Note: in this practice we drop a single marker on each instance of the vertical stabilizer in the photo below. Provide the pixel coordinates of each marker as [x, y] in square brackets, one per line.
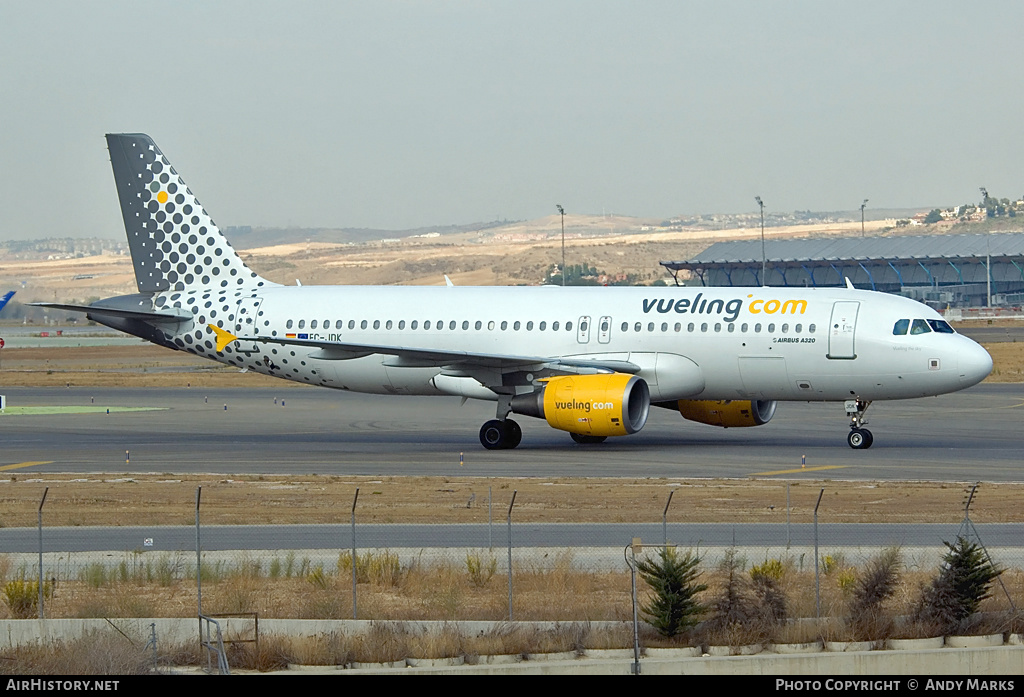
[174, 243]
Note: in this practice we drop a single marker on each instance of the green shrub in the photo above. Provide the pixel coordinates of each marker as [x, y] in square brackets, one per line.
[964, 580]
[673, 578]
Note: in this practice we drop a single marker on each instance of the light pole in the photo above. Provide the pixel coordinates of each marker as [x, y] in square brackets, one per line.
[764, 259]
[561, 212]
[862, 217]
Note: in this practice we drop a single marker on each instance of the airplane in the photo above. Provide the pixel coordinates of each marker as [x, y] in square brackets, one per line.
[590, 361]
[7, 296]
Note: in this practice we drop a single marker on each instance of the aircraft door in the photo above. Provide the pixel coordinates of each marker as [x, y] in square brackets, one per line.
[247, 314]
[604, 330]
[841, 330]
[583, 330]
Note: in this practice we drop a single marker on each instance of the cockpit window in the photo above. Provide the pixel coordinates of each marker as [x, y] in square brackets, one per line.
[940, 326]
[919, 326]
[901, 327]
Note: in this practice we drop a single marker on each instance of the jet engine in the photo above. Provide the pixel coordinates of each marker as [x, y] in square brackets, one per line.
[728, 413]
[609, 404]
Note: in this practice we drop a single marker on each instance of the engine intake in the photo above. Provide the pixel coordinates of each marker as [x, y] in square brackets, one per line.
[729, 413]
[611, 404]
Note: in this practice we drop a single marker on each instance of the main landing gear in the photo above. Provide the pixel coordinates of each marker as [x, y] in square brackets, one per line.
[500, 434]
[858, 438]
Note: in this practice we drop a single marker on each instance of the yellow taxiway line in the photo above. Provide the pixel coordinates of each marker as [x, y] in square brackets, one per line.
[797, 470]
[24, 464]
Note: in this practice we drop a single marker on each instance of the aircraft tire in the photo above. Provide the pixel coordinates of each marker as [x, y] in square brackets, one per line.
[860, 439]
[493, 435]
[586, 440]
[514, 434]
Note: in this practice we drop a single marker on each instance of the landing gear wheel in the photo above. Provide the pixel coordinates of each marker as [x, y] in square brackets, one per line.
[860, 438]
[514, 434]
[586, 440]
[500, 435]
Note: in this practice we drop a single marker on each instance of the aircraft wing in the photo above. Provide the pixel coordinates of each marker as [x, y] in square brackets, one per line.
[413, 357]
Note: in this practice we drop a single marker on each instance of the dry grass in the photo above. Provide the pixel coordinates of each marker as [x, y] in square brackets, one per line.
[169, 499]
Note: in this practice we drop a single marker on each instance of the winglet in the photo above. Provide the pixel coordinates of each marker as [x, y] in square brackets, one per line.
[223, 337]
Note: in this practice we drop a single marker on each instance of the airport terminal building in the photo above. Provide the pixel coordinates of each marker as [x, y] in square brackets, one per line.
[941, 270]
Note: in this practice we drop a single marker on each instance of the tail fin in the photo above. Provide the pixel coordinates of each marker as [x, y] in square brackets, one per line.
[174, 243]
[7, 296]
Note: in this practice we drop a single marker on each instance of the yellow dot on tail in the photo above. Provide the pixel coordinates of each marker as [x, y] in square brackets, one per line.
[162, 197]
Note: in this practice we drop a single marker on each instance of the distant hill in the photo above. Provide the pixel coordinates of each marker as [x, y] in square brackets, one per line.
[248, 237]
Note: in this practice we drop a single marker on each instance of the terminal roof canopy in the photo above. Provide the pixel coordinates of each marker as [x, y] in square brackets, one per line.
[903, 248]
[969, 269]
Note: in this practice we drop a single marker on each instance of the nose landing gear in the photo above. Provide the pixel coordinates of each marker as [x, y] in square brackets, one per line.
[858, 438]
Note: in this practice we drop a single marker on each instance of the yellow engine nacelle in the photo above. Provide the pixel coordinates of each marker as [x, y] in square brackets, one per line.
[612, 404]
[729, 413]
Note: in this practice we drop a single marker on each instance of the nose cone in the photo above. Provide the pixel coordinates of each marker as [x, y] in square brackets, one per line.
[974, 364]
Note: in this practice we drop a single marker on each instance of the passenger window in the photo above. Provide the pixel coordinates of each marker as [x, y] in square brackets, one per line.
[529, 326]
[810, 328]
[401, 324]
[901, 327]
[625, 326]
[757, 328]
[288, 324]
[426, 324]
[515, 326]
[731, 327]
[678, 327]
[479, 325]
[704, 327]
[362, 325]
[771, 328]
[543, 326]
[440, 325]
[554, 326]
[664, 326]
[490, 326]
[718, 326]
[650, 326]
[414, 324]
[376, 324]
[919, 327]
[689, 327]
[504, 326]
[302, 324]
[352, 324]
[465, 324]
[785, 328]
[799, 328]
[743, 327]
[312, 325]
[568, 326]
[388, 325]
[637, 327]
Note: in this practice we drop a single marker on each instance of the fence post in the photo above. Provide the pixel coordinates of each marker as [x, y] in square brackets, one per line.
[636, 544]
[664, 518]
[817, 577]
[355, 613]
[199, 561]
[510, 505]
[42, 614]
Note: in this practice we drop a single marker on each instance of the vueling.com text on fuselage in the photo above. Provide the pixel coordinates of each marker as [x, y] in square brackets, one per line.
[729, 309]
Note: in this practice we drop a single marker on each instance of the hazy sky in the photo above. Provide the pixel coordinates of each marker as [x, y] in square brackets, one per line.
[404, 114]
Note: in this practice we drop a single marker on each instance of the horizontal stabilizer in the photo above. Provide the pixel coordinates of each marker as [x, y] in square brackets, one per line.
[100, 311]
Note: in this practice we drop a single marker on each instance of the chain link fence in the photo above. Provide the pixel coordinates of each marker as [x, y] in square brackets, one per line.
[495, 554]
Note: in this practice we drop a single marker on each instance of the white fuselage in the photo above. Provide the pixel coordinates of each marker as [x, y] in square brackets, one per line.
[700, 343]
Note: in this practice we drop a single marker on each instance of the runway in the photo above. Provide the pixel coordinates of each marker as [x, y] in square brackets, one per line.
[966, 436]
